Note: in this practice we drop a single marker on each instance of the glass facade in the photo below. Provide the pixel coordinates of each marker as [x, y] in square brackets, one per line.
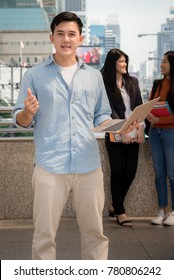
[19, 3]
[73, 5]
[14, 19]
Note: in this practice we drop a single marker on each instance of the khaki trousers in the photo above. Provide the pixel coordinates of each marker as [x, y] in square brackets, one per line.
[50, 195]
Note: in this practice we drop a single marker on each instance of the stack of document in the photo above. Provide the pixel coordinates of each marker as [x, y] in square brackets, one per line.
[161, 109]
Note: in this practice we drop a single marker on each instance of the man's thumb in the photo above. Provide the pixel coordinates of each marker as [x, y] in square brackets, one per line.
[29, 92]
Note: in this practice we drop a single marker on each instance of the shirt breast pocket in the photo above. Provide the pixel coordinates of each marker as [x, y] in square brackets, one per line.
[87, 103]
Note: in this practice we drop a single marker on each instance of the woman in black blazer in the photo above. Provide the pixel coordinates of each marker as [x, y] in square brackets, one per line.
[124, 95]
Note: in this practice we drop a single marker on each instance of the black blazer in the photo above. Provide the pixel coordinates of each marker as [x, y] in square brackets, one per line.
[117, 104]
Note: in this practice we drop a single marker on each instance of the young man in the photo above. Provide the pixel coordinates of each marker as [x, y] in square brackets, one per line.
[65, 98]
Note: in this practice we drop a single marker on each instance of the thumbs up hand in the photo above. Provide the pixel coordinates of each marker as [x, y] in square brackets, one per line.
[31, 104]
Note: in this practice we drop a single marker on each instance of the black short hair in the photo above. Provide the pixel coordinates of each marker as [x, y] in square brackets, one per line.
[66, 16]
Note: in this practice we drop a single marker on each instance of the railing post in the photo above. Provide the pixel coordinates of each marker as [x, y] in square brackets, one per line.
[20, 74]
[12, 89]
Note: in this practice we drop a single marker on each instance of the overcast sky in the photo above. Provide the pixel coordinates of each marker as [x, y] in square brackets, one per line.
[134, 17]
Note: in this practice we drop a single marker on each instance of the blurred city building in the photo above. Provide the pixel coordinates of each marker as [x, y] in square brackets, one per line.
[19, 4]
[25, 25]
[150, 69]
[25, 28]
[50, 6]
[112, 33]
[24, 32]
[106, 35]
[97, 37]
[165, 38]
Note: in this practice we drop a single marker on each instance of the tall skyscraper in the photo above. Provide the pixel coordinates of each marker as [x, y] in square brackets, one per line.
[112, 33]
[165, 38]
[112, 24]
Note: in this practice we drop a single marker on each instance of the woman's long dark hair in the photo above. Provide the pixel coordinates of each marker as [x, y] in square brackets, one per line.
[170, 57]
[109, 72]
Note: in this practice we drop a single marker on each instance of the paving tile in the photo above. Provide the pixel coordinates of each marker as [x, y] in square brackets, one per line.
[142, 241]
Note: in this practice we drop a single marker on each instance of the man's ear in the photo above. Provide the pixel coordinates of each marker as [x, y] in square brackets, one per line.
[81, 40]
[51, 38]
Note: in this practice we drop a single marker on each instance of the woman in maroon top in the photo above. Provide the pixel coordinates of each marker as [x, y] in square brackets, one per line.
[161, 139]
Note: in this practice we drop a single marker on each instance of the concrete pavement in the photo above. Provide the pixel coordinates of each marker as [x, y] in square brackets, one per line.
[142, 241]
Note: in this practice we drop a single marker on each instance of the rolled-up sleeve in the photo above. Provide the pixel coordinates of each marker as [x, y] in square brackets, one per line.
[19, 106]
[102, 110]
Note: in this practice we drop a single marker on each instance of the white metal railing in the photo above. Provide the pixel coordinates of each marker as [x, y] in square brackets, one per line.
[8, 128]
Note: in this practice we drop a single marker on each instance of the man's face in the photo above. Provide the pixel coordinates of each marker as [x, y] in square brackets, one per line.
[66, 38]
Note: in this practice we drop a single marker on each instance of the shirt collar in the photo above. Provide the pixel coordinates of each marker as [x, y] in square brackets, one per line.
[123, 84]
[51, 60]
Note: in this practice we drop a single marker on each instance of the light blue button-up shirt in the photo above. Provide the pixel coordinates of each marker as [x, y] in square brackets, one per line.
[64, 142]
